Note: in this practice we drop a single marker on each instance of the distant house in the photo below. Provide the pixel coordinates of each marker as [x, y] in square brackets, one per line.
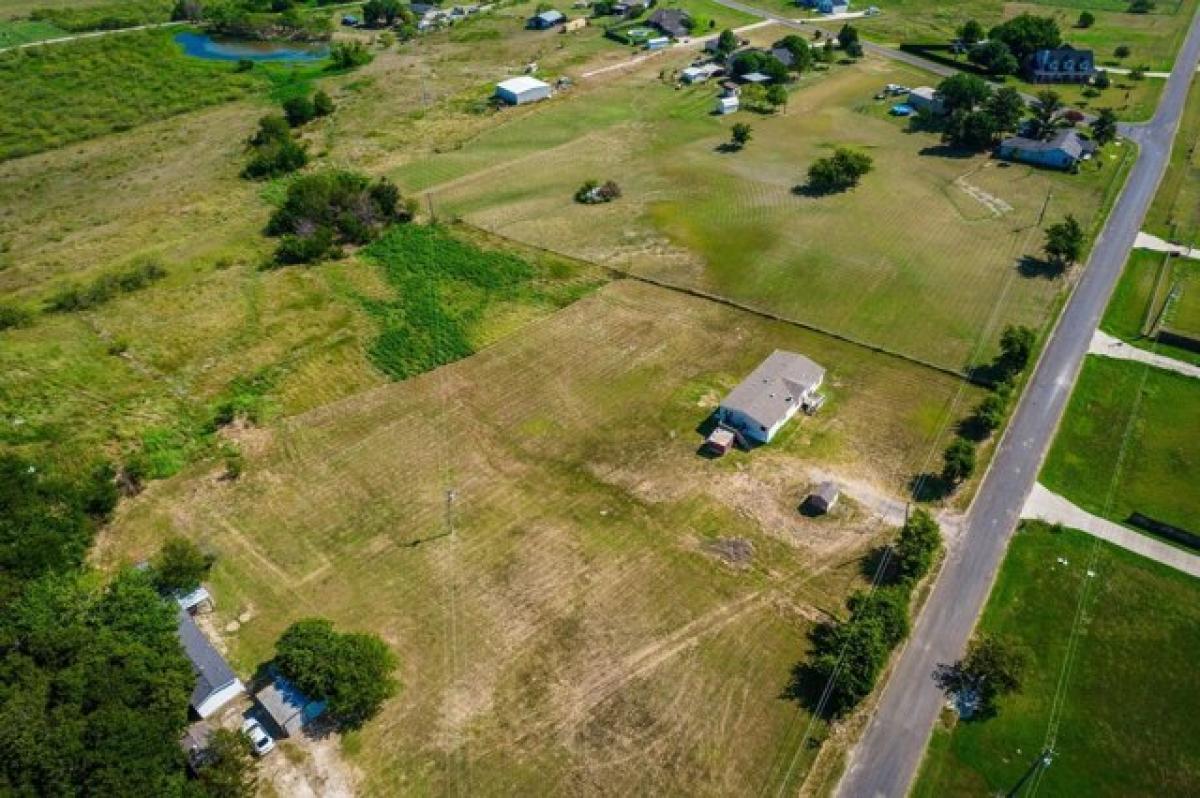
[1060, 65]
[579, 23]
[545, 20]
[826, 6]
[1066, 149]
[701, 73]
[522, 90]
[626, 8]
[658, 43]
[673, 22]
[824, 498]
[728, 104]
[768, 398]
[216, 683]
[288, 708]
[925, 98]
[784, 56]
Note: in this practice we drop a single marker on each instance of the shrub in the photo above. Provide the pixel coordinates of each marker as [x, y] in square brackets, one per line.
[594, 192]
[1141, 6]
[243, 65]
[1086, 19]
[839, 172]
[322, 104]
[13, 315]
[299, 110]
[347, 55]
[106, 287]
[916, 547]
[1122, 51]
[1102, 80]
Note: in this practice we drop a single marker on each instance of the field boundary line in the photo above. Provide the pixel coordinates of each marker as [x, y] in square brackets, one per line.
[95, 34]
[698, 293]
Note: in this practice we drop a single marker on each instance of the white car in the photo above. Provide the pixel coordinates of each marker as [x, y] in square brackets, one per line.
[262, 742]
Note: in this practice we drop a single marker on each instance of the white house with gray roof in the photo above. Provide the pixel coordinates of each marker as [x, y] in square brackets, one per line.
[767, 399]
[216, 683]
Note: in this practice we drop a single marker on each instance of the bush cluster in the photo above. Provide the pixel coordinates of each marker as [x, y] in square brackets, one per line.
[302, 109]
[593, 192]
[325, 210]
[106, 287]
[849, 655]
[347, 55]
[274, 151]
[1010, 43]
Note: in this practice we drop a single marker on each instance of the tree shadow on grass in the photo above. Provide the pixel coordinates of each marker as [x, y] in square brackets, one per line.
[947, 151]
[1035, 268]
[929, 487]
[876, 559]
[728, 147]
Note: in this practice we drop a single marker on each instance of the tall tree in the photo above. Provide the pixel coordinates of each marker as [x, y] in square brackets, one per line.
[1045, 112]
[959, 461]
[1104, 128]
[971, 32]
[228, 769]
[963, 91]
[1007, 107]
[1064, 242]
[1026, 33]
[916, 546]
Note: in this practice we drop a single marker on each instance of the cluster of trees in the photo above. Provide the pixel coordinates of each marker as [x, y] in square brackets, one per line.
[274, 150]
[848, 656]
[105, 287]
[95, 686]
[352, 672]
[849, 41]
[1008, 44]
[1016, 351]
[255, 19]
[764, 99]
[977, 115]
[593, 192]
[838, 172]
[801, 52]
[757, 61]
[387, 13]
[325, 210]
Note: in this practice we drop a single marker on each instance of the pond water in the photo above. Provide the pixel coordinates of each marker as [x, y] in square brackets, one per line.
[201, 45]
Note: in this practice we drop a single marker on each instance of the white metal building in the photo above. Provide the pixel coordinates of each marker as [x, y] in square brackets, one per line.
[518, 91]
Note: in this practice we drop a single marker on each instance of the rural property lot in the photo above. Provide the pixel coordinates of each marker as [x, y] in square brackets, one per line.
[581, 614]
[923, 258]
[1130, 442]
[1129, 703]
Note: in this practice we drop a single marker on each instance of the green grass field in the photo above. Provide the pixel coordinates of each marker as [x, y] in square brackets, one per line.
[1175, 211]
[559, 636]
[16, 32]
[1129, 703]
[1130, 441]
[1141, 298]
[64, 93]
[885, 263]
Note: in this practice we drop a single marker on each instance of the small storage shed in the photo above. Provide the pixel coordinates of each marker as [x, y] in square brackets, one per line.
[824, 498]
[288, 708]
[546, 20]
[658, 43]
[522, 90]
[727, 105]
[720, 440]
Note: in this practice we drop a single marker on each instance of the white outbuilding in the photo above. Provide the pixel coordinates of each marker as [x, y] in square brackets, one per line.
[525, 89]
[727, 105]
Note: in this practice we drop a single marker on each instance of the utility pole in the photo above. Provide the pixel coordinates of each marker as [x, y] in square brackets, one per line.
[1041, 763]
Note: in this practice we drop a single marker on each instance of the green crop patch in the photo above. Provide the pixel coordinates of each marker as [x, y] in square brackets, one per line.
[444, 289]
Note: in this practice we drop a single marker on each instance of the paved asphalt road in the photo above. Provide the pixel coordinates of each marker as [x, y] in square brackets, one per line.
[886, 759]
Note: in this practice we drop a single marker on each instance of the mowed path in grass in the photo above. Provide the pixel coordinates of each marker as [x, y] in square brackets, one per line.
[1129, 701]
[572, 634]
[922, 258]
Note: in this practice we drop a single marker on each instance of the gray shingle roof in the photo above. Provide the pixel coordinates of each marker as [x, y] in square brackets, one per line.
[775, 387]
[212, 672]
[1066, 140]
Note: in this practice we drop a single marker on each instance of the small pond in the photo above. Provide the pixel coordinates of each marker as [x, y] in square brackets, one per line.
[201, 45]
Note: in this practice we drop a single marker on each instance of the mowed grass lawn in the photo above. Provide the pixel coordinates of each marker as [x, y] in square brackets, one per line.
[1130, 441]
[531, 530]
[1129, 702]
[1151, 279]
[921, 258]
[1175, 212]
[60, 94]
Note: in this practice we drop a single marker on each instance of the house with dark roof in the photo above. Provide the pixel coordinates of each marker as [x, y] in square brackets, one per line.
[784, 56]
[1063, 151]
[768, 398]
[673, 22]
[216, 683]
[1060, 65]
